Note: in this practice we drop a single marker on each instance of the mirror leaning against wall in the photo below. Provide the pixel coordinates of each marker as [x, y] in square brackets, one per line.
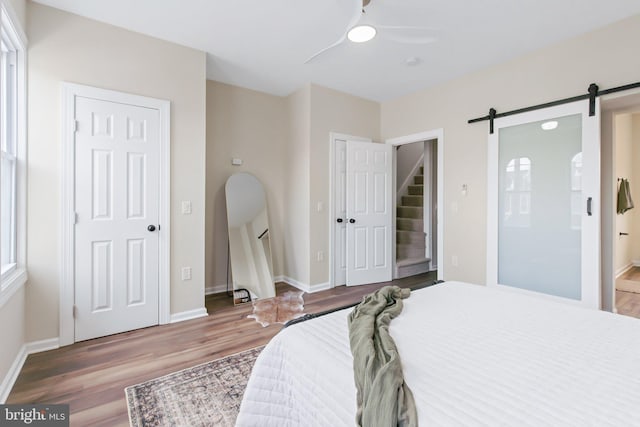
[249, 246]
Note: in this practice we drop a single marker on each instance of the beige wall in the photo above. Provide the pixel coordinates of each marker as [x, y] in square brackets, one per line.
[251, 126]
[623, 128]
[331, 111]
[66, 47]
[296, 186]
[607, 56]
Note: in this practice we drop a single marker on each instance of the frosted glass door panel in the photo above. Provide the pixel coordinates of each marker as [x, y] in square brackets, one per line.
[540, 208]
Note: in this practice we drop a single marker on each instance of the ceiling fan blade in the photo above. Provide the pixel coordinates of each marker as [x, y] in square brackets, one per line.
[356, 14]
[315, 55]
[408, 34]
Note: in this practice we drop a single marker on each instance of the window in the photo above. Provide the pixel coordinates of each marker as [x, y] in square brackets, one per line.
[12, 151]
[517, 192]
[576, 192]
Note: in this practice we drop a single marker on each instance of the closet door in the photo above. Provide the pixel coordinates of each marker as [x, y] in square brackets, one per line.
[543, 230]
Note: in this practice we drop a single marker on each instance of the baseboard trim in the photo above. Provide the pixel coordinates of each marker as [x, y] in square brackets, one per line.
[188, 315]
[626, 268]
[304, 286]
[12, 375]
[26, 349]
[216, 289]
[43, 345]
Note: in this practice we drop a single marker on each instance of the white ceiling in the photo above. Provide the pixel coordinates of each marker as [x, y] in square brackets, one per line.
[263, 44]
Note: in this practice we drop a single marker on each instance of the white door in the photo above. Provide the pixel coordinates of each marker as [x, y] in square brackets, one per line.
[369, 222]
[543, 204]
[117, 207]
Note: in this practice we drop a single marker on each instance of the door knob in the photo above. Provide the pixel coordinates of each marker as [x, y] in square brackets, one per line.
[352, 220]
[339, 220]
[151, 227]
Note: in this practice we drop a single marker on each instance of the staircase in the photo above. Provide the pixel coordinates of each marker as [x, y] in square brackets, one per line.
[410, 237]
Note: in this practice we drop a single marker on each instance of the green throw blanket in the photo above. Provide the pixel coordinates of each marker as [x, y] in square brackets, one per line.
[383, 397]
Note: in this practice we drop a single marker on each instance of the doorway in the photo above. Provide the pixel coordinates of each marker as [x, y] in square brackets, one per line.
[115, 257]
[620, 223]
[427, 167]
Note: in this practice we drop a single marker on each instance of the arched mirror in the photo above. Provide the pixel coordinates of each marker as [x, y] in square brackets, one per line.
[249, 247]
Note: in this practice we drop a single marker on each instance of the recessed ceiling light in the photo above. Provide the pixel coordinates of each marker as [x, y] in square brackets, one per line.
[361, 33]
[412, 60]
[549, 125]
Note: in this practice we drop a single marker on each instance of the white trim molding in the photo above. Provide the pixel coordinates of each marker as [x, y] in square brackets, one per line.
[189, 315]
[215, 289]
[29, 348]
[69, 92]
[305, 286]
[626, 268]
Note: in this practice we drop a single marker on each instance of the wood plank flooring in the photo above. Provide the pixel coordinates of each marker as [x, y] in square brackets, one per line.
[628, 303]
[91, 376]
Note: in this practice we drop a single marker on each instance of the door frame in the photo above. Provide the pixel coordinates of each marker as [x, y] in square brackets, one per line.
[333, 137]
[611, 105]
[429, 135]
[69, 92]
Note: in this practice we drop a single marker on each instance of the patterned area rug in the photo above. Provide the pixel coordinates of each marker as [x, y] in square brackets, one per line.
[205, 395]
[279, 309]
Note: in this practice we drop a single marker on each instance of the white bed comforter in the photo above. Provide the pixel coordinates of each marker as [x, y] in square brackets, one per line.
[472, 356]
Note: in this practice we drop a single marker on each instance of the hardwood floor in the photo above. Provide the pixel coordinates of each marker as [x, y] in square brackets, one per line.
[91, 376]
[628, 303]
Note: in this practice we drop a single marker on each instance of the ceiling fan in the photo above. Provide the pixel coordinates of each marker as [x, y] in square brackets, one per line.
[361, 30]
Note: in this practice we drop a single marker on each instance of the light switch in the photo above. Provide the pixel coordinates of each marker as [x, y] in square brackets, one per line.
[186, 207]
[186, 273]
[236, 161]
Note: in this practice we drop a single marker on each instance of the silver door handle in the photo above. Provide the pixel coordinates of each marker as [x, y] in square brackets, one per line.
[589, 201]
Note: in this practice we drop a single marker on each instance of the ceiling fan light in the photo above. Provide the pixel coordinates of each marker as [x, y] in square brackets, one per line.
[361, 33]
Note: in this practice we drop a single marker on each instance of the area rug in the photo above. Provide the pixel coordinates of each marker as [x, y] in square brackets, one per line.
[280, 309]
[204, 395]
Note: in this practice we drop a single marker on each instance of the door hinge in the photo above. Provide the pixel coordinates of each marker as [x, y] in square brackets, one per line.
[75, 217]
[76, 125]
[75, 311]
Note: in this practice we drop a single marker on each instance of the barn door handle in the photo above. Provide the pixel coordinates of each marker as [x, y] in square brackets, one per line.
[589, 201]
[352, 220]
[151, 227]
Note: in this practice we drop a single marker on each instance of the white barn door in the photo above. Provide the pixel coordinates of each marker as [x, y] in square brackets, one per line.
[543, 234]
[369, 214]
[117, 155]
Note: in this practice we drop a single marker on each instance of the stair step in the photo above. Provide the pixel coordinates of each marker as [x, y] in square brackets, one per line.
[409, 251]
[410, 237]
[412, 266]
[409, 224]
[421, 170]
[418, 179]
[416, 190]
[409, 212]
[412, 200]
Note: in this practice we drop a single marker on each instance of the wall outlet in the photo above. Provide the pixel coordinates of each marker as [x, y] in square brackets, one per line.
[454, 260]
[186, 273]
[186, 207]
[320, 256]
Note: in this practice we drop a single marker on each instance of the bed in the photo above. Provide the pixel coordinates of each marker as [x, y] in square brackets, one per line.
[472, 355]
